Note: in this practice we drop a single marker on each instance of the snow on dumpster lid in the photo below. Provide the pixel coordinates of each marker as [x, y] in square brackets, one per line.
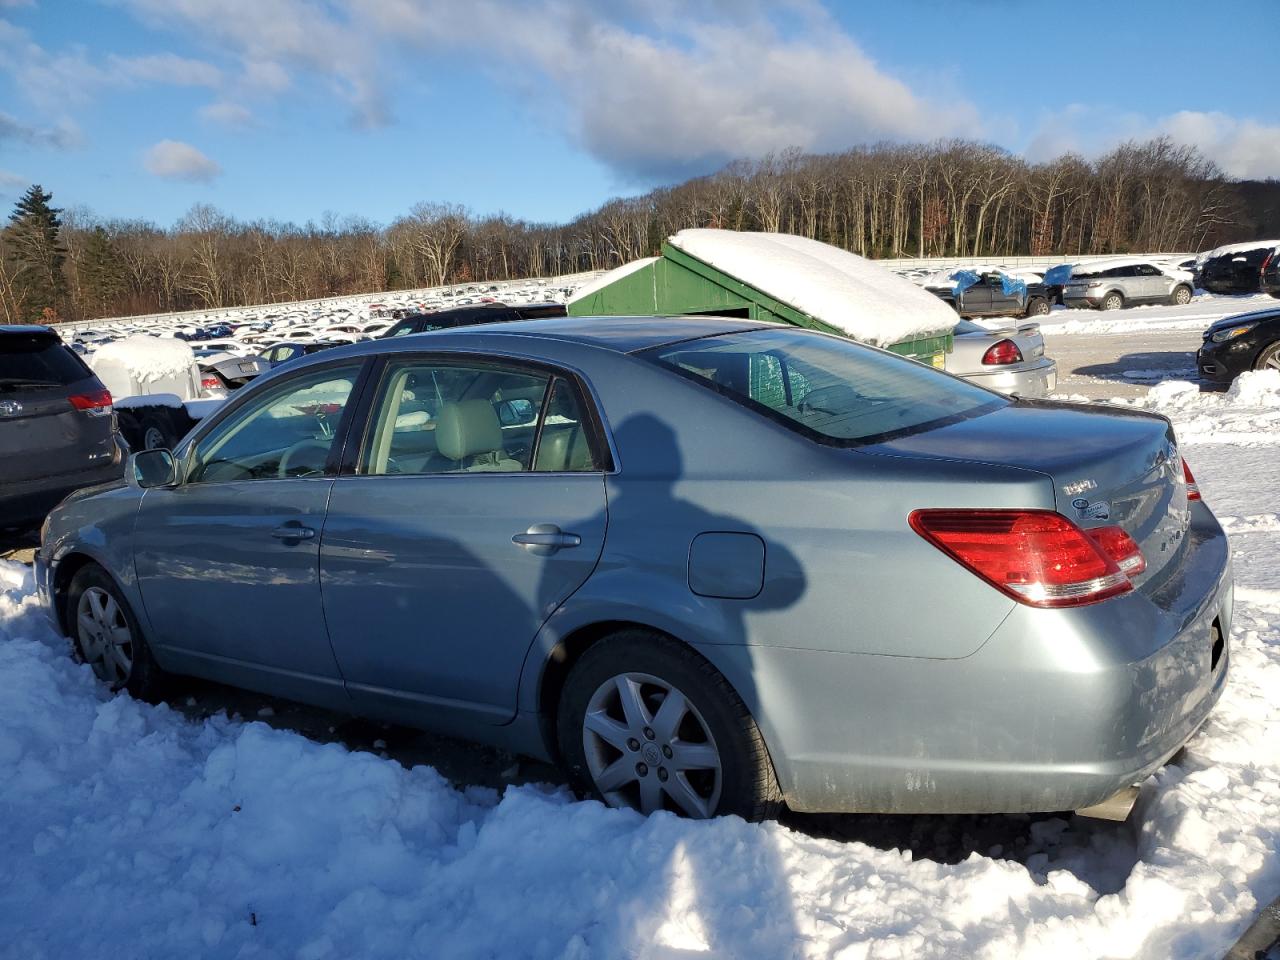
[839, 288]
[612, 276]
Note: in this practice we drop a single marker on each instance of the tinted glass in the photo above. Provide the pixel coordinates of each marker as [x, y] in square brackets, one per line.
[827, 387]
[287, 432]
[38, 360]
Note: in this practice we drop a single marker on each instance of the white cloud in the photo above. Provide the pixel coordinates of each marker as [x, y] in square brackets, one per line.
[1243, 148]
[175, 160]
[11, 181]
[227, 113]
[166, 68]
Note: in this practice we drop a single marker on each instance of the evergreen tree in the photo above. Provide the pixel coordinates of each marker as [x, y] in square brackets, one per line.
[36, 254]
[103, 273]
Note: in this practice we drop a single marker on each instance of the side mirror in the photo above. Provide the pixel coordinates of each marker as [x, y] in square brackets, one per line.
[151, 468]
[516, 413]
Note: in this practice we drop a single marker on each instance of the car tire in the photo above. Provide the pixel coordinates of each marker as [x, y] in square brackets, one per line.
[1112, 301]
[105, 634]
[1181, 295]
[1037, 307]
[707, 759]
[1269, 358]
[155, 432]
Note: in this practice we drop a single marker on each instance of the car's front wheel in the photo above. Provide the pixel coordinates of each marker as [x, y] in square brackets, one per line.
[1269, 359]
[645, 722]
[105, 635]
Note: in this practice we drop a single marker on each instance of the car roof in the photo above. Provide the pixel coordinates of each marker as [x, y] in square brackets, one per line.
[620, 334]
[26, 329]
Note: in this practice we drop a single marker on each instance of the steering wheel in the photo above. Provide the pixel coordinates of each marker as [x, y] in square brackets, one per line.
[292, 453]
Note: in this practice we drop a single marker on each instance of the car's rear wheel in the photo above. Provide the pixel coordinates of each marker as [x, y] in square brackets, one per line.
[1038, 307]
[106, 636]
[1181, 295]
[1112, 301]
[1269, 359]
[645, 722]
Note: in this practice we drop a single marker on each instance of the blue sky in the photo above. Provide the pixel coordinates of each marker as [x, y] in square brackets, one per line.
[289, 109]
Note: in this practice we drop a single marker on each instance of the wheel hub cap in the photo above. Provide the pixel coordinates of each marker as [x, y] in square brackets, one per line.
[106, 642]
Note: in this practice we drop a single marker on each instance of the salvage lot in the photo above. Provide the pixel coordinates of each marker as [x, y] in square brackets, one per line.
[178, 829]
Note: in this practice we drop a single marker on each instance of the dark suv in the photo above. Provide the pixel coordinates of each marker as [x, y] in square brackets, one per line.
[991, 295]
[1239, 271]
[57, 425]
[480, 313]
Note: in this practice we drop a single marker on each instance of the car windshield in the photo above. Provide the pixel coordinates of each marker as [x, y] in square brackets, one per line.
[826, 387]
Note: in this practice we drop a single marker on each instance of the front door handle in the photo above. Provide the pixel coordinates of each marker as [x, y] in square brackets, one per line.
[293, 531]
[544, 539]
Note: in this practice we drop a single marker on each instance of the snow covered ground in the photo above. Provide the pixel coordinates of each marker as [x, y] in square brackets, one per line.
[133, 831]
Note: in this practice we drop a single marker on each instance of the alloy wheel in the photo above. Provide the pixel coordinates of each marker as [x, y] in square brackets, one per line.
[153, 439]
[105, 639]
[649, 748]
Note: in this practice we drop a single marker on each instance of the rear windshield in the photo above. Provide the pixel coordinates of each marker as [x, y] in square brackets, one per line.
[37, 360]
[833, 390]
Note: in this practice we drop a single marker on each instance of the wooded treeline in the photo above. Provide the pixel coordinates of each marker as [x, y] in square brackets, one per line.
[947, 198]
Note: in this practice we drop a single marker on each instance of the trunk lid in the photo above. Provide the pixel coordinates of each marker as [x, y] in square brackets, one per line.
[1108, 466]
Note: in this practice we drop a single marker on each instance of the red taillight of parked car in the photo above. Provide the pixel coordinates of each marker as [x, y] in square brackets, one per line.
[210, 383]
[96, 404]
[1193, 488]
[1120, 547]
[1002, 352]
[1037, 557]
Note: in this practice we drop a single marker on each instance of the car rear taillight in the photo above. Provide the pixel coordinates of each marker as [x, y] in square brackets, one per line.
[1037, 557]
[96, 404]
[1193, 488]
[1002, 352]
[1120, 547]
[210, 382]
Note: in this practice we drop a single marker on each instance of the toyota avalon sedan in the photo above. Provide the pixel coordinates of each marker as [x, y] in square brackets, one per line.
[710, 566]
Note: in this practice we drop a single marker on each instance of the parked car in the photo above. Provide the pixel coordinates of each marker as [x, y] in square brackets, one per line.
[709, 565]
[57, 425]
[992, 294]
[222, 372]
[465, 316]
[1009, 360]
[287, 352]
[1237, 268]
[1113, 284]
[1247, 341]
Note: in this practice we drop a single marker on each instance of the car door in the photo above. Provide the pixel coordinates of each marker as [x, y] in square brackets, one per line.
[1155, 284]
[476, 506]
[975, 300]
[228, 559]
[1002, 304]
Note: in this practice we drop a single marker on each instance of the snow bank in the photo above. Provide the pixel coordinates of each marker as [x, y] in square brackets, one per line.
[855, 295]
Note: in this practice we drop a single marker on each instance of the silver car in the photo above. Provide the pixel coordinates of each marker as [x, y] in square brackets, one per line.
[1006, 359]
[1112, 284]
[710, 566]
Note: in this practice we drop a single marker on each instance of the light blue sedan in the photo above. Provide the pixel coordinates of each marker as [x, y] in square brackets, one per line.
[710, 566]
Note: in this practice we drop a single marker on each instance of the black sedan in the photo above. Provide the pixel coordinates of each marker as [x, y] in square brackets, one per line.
[1247, 341]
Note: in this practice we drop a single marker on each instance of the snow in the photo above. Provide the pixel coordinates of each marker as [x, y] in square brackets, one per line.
[865, 300]
[171, 400]
[605, 279]
[147, 358]
[133, 831]
[1199, 314]
[1227, 248]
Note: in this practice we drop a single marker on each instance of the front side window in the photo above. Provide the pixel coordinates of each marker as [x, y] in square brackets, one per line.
[288, 432]
[831, 389]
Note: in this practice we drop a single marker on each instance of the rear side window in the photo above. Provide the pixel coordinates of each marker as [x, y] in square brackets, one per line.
[833, 390]
[38, 360]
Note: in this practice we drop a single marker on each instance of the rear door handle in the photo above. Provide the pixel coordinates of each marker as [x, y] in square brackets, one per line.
[293, 531]
[543, 539]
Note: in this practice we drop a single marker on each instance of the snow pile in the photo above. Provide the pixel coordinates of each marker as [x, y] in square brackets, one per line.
[147, 359]
[865, 300]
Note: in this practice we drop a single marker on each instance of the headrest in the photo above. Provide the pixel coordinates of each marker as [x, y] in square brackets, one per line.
[466, 428]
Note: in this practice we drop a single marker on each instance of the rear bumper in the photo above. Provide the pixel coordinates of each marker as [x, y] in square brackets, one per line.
[1057, 711]
[28, 502]
[1036, 380]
